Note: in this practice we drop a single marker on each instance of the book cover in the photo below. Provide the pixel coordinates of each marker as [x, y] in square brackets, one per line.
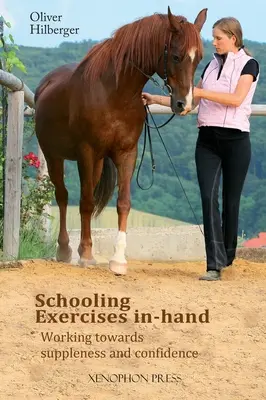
[129, 317]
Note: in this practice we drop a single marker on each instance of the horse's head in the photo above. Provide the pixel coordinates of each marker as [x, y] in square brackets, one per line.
[181, 58]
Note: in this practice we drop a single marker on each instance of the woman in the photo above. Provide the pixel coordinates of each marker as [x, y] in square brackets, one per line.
[224, 95]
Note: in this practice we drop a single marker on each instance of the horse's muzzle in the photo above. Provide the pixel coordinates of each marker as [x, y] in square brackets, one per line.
[178, 106]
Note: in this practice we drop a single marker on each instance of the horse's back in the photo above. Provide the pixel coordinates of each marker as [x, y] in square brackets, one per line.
[54, 78]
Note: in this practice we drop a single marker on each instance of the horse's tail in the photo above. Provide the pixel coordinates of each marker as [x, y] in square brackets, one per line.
[105, 187]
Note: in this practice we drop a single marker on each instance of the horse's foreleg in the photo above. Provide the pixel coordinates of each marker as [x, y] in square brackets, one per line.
[56, 173]
[85, 167]
[125, 164]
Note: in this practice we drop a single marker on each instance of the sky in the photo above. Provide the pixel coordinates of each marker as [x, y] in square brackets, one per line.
[97, 19]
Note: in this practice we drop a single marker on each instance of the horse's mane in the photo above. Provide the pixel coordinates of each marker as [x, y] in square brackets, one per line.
[132, 44]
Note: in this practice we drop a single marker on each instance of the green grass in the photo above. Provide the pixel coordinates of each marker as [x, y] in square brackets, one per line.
[34, 243]
[108, 219]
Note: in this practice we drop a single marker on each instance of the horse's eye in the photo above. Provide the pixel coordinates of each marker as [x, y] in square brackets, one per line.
[175, 58]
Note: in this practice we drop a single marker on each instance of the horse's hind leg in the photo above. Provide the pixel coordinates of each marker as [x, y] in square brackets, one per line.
[56, 172]
[87, 183]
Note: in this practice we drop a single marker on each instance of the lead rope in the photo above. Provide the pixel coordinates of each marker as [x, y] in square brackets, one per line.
[147, 132]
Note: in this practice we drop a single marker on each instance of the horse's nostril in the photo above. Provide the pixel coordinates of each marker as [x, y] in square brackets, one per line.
[180, 104]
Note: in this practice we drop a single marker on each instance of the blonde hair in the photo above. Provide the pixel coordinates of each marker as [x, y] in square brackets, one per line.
[231, 27]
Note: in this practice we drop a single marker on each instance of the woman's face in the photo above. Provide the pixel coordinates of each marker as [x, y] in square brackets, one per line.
[222, 43]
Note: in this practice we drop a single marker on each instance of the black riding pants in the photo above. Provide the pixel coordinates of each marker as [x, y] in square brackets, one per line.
[226, 152]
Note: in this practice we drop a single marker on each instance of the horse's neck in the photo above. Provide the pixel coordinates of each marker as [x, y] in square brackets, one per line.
[131, 83]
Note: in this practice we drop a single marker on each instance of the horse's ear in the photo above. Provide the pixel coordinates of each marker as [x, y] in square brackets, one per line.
[201, 18]
[171, 18]
[172, 21]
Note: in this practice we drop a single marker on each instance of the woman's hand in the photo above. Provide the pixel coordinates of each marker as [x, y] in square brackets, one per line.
[147, 99]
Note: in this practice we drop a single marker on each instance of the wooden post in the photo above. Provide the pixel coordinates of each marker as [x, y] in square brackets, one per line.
[44, 172]
[13, 174]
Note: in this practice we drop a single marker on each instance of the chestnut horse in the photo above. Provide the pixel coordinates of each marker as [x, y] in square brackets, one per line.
[93, 113]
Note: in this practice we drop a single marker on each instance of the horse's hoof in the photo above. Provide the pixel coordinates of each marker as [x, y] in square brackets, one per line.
[118, 268]
[84, 262]
[64, 255]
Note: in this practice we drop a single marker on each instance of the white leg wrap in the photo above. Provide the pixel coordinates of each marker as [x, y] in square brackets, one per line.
[120, 248]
